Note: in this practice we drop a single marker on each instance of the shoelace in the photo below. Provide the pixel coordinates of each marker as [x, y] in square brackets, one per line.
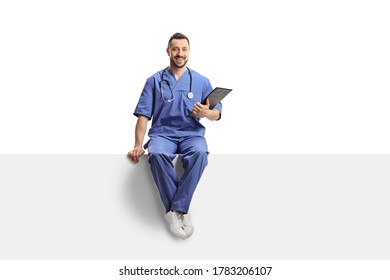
[179, 222]
[181, 215]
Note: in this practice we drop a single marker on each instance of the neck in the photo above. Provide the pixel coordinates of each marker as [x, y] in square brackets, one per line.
[177, 72]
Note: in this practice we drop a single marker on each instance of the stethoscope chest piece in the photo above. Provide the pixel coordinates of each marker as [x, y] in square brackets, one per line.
[190, 95]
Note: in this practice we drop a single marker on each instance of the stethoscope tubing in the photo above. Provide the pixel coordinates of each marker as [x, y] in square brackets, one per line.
[190, 95]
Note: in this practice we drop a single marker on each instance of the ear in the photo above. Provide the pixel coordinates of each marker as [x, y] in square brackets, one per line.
[168, 51]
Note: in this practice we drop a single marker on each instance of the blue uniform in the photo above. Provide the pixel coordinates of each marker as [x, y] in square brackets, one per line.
[173, 132]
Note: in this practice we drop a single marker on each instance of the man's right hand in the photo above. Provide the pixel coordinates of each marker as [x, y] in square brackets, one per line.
[135, 154]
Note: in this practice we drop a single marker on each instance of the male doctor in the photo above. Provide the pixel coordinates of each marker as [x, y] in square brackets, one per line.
[168, 97]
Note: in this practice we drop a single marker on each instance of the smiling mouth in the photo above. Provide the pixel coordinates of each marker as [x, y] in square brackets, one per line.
[179, 61]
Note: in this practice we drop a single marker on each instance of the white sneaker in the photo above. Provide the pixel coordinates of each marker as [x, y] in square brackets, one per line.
[187, 225]
[176, 224]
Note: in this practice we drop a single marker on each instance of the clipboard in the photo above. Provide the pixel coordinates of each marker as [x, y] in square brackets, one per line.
[214, 97]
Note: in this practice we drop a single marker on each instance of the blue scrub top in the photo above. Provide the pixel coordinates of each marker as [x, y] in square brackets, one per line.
[171, 118]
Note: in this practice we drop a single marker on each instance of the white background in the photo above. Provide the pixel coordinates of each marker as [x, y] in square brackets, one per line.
[308, 76]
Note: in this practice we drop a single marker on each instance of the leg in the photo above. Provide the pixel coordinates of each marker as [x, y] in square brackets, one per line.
[162, 151]
[193, 154]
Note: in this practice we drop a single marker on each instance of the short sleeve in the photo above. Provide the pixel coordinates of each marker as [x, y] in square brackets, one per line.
[145, 103]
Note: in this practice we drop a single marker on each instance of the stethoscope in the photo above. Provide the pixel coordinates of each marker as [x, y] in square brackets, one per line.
[190, 95]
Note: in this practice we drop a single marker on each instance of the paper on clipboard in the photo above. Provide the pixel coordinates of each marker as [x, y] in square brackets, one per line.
[214, 97]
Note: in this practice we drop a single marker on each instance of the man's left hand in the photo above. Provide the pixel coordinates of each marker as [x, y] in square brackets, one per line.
[201, 110]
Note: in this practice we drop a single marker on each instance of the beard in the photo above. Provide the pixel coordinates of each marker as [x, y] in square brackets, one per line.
[178, 66]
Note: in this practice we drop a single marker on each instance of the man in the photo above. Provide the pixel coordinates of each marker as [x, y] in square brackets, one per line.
[168, 98]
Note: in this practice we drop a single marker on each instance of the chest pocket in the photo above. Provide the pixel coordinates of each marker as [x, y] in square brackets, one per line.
[188, 103]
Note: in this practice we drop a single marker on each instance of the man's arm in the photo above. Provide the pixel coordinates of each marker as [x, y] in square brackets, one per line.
[202, 111]
[140, 131]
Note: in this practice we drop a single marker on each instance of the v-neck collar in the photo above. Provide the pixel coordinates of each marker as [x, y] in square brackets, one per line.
[172, 79]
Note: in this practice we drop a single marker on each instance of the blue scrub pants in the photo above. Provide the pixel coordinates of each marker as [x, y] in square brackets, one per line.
[177, 194]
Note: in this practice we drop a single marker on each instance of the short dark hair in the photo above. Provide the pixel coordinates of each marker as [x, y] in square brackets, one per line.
[178, 36]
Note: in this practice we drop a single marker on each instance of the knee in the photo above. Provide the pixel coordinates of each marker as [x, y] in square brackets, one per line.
[202, 153]
[157, 157]
[199, 155]
[198, 152]
[161, 156]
